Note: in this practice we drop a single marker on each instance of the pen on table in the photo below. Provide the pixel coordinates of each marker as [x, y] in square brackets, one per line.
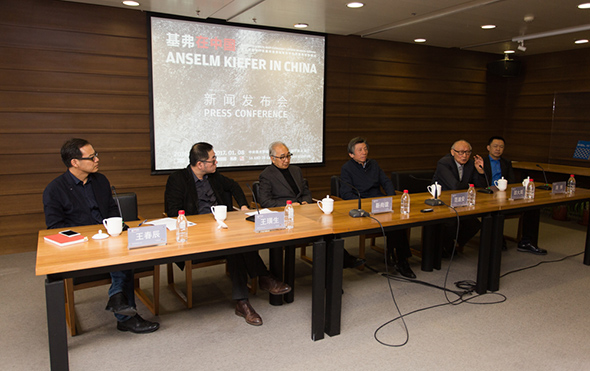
[142, 223]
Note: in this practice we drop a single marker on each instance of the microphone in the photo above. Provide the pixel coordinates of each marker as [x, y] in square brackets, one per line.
[486, 190]
[434, 201]
[546, 186]
[125, 226]
[355, 213]
[252, 218]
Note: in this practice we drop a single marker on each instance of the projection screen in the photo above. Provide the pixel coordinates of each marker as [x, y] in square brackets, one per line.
[236, 87]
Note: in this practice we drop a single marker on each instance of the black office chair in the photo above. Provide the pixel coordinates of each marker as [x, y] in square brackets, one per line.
[128, 202]
[415, 181]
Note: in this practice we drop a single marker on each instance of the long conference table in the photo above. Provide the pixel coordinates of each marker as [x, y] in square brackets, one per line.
[207, 241]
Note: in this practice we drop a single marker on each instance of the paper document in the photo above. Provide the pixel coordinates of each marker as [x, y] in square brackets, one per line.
[170, 223]
[263, 211]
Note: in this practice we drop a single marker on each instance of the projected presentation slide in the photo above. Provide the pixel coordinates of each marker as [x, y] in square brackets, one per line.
[239, 89]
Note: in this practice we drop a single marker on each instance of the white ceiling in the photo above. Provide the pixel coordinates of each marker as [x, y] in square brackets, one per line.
[443, 23]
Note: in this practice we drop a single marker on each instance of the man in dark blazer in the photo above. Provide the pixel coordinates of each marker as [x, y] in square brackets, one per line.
[82, 196]
[496, 167]
[282, 181]
[456, 171]
[198, 187]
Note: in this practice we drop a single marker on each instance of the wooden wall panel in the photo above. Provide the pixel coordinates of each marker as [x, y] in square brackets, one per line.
[76, 70]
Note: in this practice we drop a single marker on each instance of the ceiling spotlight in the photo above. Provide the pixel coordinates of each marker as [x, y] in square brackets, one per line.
[509, 51]
[584, 6]
[131, 3]
[488, 26]
[300, 25]
[355, 5]
[521, 46]
[581, 41]
[419, 40]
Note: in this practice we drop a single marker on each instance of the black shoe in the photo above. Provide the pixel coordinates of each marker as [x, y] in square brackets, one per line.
[119, 304]
[137, 325]
[529, 247]
[352, 262]
[404, 269]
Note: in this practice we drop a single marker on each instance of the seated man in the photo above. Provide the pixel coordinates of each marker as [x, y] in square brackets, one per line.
[366, 176]
[198, 187]
[82, 196]
[497, 167]
[453, 172]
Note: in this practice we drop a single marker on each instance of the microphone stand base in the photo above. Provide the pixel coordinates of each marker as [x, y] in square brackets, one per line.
[544, 187]
[486, 190]
[358, 213]
[433, 202]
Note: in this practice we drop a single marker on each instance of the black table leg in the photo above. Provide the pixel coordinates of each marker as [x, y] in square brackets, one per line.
[587, 250]
[318, 316]
[334, 287]
[496, 253]
[483, 259]
[56, 325]
[430, 238]
[275, 257]
[290, 273]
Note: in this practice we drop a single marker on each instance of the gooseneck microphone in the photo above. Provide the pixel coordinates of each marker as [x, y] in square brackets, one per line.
[487, 189]
[546, 186]
[125, 226]
[252, 218]
[434, 201]
[356, 213]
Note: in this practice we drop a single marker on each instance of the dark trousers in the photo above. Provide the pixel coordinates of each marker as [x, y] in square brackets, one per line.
[240, 266]
[468, 228]
[398, 241]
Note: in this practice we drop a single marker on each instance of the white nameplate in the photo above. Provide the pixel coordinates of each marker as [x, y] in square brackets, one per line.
[559, 187]
[146, 236]
[269, 221]
[459, 199]
[382, 205]
[517, 193]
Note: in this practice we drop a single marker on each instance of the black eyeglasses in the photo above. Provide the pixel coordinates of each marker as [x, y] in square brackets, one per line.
[211, 161]
[283, 157]
[462, 152]
[92, 157]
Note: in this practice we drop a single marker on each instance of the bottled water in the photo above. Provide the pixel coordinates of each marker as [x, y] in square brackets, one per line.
[471, 195]
[529, 192]
[405, 202]
[571, 185]
[289, 215]
[181, 227]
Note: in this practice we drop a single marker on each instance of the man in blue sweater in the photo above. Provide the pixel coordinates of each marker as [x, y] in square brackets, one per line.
[366, 176]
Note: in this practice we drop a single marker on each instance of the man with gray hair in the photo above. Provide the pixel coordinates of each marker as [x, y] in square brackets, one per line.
[282, 181]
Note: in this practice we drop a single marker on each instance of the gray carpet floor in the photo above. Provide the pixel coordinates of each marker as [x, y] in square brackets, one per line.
[539, 322]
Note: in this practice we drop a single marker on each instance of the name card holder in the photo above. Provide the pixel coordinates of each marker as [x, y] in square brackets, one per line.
[269, 221]
[146, 236]
[382, 205]
[459, 199]
[559, 187]
[517, 193]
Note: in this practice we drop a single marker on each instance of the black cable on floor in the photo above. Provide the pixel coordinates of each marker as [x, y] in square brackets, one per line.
[542, 262]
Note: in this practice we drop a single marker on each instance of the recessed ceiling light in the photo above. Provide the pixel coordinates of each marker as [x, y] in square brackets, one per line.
[508, 51]
[419, 40]
[581, 41]
[584, 6]
[488, 26]
[131, 3]
[355, 5]
[300, 25]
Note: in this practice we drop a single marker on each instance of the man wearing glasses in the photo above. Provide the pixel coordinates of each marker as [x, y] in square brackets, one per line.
[281, 182]
[82, 196]
[198, 187]
[453, 172]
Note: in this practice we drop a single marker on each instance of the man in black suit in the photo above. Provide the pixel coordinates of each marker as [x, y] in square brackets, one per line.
[82, 196]
[497, 167]
[453, 172]
[198, 187]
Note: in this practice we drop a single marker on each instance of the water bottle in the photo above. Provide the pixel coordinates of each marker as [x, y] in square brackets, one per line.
[571, 185]
[289, 215]
[405, 203]
[181, 227]
[529, 193]
[471, 195]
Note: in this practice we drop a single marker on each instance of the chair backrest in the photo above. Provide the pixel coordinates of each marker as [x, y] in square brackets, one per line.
[415, 181]
[256, 191]
[128, 202]
[335, 186]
